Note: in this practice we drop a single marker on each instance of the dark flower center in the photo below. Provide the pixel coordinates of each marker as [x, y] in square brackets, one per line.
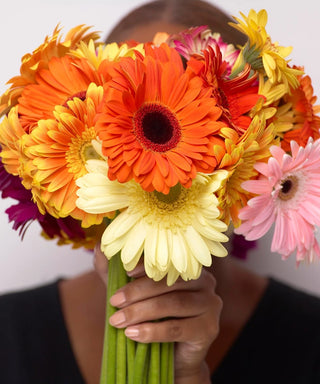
[289, 188]
[286, 186]
[156, 127]
[80, 95]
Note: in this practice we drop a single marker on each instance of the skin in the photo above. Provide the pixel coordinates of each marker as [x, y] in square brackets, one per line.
[206, 315]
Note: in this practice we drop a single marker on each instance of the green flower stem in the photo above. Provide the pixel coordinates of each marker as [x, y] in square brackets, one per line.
[108, 366]
[164, 362]
[154, 366]
[140, 363]
[146, 367]
[131, 352]
[121, 370]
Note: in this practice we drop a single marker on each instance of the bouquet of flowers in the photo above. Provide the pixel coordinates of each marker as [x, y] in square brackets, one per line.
[156, 149]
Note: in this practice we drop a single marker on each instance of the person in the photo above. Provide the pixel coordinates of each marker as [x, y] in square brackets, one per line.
[229, 325]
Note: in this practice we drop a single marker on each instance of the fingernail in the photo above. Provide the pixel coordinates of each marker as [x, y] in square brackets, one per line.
[118, 299]
[117, 318]
[132, 332]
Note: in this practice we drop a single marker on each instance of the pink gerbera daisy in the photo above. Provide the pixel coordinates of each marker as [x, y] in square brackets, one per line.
[288, 194]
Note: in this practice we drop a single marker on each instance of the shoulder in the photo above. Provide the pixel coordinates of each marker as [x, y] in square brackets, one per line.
[281, 340]
[34, 341]
[291, 308]
[23, 310]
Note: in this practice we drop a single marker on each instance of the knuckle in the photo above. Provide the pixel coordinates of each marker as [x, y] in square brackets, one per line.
[178, 300]
[218, 303]
[213, 329]
[146, 333]
[130, 314]
[174, 330]
[210, 281]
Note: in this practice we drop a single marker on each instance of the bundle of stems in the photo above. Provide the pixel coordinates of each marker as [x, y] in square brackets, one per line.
[125, 361]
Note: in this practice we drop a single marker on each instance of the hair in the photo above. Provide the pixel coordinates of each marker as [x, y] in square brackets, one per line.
[189, 13]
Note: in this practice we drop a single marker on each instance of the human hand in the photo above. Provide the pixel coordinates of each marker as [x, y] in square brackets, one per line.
[191, 309]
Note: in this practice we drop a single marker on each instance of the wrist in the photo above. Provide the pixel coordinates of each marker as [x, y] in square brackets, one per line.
[200, 377]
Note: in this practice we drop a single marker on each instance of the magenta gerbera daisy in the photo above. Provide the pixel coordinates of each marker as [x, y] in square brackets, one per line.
[288, 195]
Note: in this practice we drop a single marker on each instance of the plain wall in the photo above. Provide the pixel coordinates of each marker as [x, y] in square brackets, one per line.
[23, 27]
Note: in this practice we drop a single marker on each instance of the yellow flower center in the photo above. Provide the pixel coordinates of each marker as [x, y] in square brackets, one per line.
[174, 210]
[81, 150]
[170, 198]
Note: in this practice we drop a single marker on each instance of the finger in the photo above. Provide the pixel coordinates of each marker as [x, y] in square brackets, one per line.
[173, 304]
[100, 263]
[138, 271]
[196, 330]
[144, 288]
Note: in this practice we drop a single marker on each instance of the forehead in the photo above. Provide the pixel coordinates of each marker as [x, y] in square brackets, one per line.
[146, 32]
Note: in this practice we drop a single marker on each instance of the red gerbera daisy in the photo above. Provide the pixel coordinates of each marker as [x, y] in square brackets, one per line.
[235, 96]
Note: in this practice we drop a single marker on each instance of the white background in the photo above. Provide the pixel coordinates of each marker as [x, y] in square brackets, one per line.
[24, 24]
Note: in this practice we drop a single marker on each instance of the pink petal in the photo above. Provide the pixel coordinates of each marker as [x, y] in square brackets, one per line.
[277, 153]
[265, 213]
[275, 169]
[258, 231]
[257, 186]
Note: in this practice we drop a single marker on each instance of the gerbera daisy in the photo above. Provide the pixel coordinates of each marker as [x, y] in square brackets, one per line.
[64, 79]
[109, 52]
[53, 46]
[242, 152]
[296, 117]
[69, 231]
[177, 232]
[11, 132]
[59, 148]
[158, 124]
[195, 40]
[236, 97]
[267, 105]
[25, 212]
[288, 195]
[261, 53]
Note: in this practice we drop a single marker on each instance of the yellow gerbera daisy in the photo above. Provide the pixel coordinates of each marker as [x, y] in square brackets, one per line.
[261, 53]
[10, 133]
[59, 149]
[111, 52]
[177, 232]
[241, 155]
[31, 63]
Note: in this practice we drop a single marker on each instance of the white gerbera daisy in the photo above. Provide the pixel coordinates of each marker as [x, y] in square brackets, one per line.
[177, 232]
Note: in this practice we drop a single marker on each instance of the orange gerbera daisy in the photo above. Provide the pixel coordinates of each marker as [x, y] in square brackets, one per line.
[298, 115]
[158, 125]
[237, 96]
[59, 149]
[32, 63]
[64, 79]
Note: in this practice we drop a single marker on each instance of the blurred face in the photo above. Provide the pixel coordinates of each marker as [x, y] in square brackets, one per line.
[146, 32]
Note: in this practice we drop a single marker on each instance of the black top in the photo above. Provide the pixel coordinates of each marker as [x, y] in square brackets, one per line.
[279, 344]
